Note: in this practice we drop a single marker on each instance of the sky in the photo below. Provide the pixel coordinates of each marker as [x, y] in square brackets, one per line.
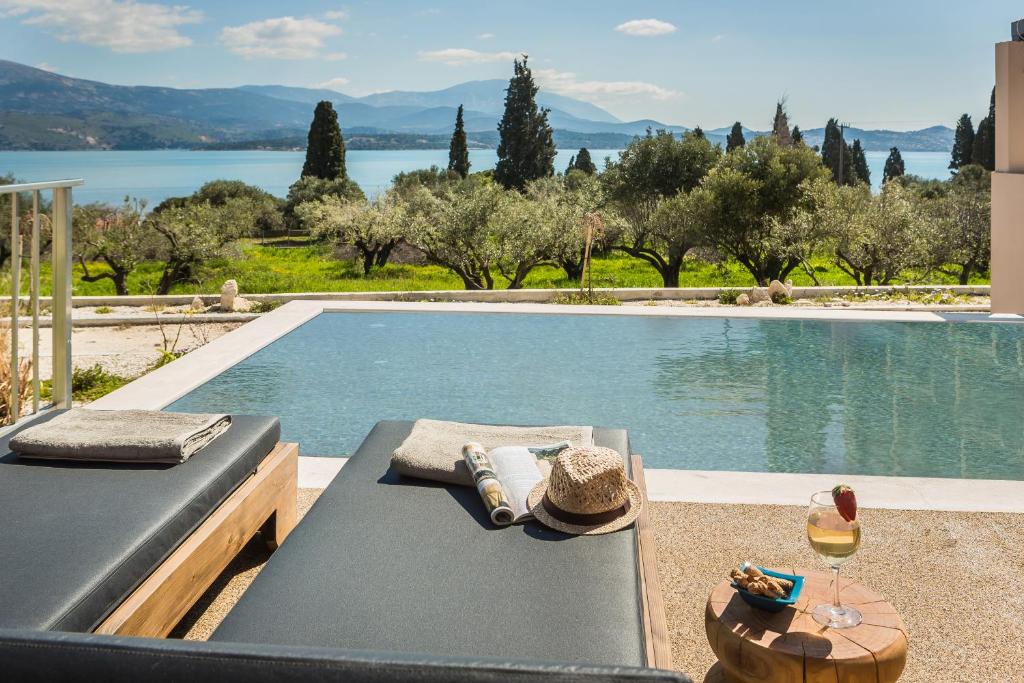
[897, 64]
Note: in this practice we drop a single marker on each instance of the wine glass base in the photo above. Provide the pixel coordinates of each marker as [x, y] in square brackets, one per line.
[833, 617]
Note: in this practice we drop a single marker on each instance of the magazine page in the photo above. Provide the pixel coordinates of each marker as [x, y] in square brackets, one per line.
[516, 469]
[491, 491]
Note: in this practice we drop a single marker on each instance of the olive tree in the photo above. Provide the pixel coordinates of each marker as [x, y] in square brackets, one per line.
[190, 234]
[573, 203]
[116, 237]
[883, 236]
[373, 228]
[480, 231]
[523, 233]
[25, 217]
[958, 224]
[651, 169]
[450, 228]
[746, 206]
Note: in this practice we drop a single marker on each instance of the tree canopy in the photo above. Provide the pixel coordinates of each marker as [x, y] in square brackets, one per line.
[735, 137]
[894, 166]
[458, 151]
[963, 143]
[651, 169]
[325, 149]
[526, 150]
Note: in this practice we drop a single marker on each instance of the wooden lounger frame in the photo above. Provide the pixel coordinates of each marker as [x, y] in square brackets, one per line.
[659, 648]
[266, 500]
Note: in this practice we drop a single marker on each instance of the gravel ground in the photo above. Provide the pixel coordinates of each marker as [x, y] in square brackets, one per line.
[952, 576]
[127, 351]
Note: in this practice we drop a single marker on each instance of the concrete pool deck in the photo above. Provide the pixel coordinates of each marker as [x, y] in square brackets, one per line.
[162, 387]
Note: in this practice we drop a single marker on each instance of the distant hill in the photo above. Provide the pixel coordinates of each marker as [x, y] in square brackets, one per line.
[46, 111]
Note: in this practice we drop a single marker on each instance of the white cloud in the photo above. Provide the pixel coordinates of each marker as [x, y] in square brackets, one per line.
[47, 67]
[280, 38]
[333, 83]
[719, 38]
[336, 15]
[485, 36]
[118, 25]
[645, 27]
[335, 56]
[566, 83]
[461, 56]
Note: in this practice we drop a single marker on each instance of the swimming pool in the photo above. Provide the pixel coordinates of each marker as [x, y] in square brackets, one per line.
[881, 398]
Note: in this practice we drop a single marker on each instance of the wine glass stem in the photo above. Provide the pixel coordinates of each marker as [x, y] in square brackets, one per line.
[836, 606]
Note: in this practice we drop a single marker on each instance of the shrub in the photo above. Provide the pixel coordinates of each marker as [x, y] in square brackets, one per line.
[728, 296]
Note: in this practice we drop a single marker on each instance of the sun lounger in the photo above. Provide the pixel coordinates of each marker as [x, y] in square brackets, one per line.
[394, 564]
[128, 548]
[48, 657]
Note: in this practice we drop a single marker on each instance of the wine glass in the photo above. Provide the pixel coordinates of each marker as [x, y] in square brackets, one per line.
[835, 540]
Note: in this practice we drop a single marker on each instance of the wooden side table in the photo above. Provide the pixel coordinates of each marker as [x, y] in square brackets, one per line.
[756, 646]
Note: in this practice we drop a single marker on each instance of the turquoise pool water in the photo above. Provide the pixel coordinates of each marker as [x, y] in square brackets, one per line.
[907, 399]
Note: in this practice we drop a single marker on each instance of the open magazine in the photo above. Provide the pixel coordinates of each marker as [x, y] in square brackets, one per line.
[505, 476]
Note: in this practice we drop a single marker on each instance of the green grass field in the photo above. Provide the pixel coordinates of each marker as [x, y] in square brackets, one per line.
[266, 269]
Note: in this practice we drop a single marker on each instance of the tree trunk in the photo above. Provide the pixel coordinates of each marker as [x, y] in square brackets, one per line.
[573, 269]
[368, 260]
[383, 254]
[965, 272]
[120, 283]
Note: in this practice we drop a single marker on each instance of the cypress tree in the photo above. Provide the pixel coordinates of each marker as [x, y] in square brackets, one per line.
[834, 151]
[527, 147]
[572, 164]
[894, 167]
[860, 163]
[583, 162]
[325, 151]
[780, 125]
[458, 151]
[963, 143]
[735, 138]
[798, 136]
[984, 152]
[698, 132]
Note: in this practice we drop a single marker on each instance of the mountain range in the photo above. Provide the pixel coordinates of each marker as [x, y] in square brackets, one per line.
[41, 110]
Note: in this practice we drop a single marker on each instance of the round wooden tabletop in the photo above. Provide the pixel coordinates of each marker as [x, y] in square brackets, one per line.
[758, 646]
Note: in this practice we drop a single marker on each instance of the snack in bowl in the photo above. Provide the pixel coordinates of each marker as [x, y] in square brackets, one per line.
[764, 588]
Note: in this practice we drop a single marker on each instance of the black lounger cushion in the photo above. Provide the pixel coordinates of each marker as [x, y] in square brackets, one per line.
[77, 538]
[383, 562]
[48, 657]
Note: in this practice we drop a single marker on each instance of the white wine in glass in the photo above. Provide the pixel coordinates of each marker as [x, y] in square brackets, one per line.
[835, 539]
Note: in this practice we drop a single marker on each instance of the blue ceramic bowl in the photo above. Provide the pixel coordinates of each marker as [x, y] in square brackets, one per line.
[772, 604]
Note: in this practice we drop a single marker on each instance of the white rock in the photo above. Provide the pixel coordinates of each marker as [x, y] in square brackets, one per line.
[743, 300]
[242, 305]
[789, 288]
[759, 294]
[197, 304]
[228, 292]
[776, 290]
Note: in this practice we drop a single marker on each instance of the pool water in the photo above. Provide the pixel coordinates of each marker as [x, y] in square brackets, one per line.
[905, 399]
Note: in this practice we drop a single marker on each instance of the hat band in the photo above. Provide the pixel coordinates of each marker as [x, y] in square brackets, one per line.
[594, 519]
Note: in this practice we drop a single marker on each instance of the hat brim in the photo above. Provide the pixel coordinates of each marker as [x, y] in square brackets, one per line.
[533, 501]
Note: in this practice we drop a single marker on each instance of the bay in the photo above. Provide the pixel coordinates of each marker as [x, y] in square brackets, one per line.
[157, 174]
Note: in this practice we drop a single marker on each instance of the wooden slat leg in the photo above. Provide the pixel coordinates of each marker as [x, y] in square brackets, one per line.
[159, 603]
[659, 648]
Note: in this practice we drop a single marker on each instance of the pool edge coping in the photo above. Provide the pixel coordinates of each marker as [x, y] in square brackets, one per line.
[162, 387]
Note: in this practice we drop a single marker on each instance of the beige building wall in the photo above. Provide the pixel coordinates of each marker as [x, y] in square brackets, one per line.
[1008, 182]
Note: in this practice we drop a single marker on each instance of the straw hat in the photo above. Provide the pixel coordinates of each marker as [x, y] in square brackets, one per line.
[587, 493]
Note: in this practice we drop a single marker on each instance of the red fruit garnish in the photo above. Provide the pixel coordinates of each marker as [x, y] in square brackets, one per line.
[846, 502]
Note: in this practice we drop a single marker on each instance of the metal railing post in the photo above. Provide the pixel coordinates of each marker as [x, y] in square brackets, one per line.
[60, 306]
[34, 304]
[15, 403]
